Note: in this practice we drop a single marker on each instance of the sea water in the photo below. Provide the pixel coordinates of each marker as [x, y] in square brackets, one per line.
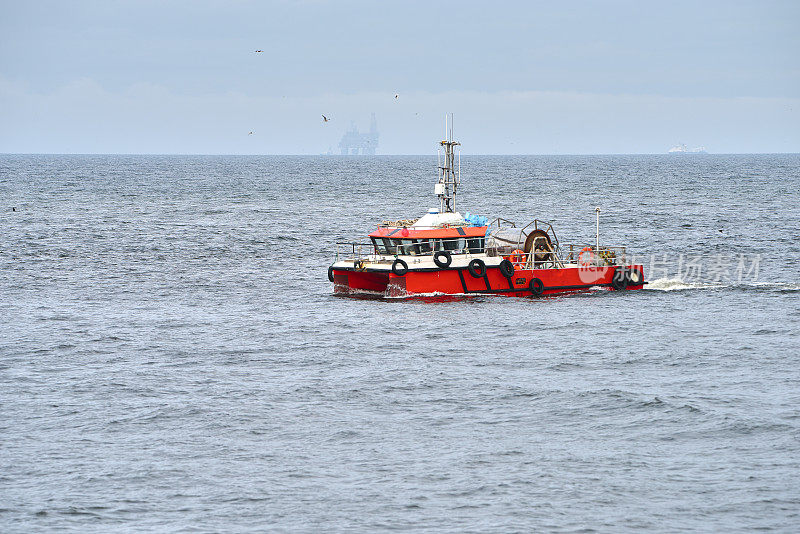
[172, 357]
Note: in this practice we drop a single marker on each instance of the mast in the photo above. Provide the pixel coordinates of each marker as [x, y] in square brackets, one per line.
[449, 174]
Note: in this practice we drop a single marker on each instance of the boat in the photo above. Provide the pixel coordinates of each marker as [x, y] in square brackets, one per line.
[445, 253]
[683, 149]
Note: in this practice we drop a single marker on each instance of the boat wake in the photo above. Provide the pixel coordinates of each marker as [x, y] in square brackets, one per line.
[781, 287]
[677, 284]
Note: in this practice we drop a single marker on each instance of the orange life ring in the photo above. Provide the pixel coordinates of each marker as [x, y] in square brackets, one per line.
[517, 256]
[590, 261]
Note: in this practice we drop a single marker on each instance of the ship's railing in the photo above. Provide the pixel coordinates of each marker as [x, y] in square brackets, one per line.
[414, 247]
[536, 259]
[604, 255]
[532, 260]
[501, 223]
[571, 253]
[358, 252]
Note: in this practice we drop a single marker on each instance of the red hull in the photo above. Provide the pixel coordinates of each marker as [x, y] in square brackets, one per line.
[460, 281]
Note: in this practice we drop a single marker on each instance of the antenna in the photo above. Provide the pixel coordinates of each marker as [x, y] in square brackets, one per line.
[597, 233]
[449, 177]
[451, 126]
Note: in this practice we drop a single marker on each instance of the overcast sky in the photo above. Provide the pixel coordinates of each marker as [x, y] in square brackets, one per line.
[521, 77]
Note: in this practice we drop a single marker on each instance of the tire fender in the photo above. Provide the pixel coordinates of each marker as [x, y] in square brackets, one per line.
[477, 268]
[621, 279]
[445, 262]
[507, 268]
[399, 267]
[537, 287]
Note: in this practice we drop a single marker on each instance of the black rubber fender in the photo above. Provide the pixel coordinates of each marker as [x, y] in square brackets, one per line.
[621, 279]
[507, 268]
[636, 277]
[403, 267]
[442, 263]
[537, 287]
[477, 268]
[330, 273]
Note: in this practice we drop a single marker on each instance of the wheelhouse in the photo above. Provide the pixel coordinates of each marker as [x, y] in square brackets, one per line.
[418, 242]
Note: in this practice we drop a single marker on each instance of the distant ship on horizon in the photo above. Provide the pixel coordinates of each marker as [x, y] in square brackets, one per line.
[683, 149]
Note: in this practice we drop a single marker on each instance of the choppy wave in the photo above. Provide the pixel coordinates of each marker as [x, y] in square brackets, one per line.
[148, 346]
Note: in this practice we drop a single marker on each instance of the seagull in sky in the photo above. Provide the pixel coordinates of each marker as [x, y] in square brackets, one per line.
[250, 133]
[396, 97]
[325, 119]
[259, 51]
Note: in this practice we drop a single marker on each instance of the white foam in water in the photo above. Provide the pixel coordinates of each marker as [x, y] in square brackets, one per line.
[431, 294]
[676, 284]
[777, 286]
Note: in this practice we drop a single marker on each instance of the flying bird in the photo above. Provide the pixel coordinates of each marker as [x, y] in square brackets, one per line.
[250, 133]
[259, 51]
[396, 96]
[325, 119]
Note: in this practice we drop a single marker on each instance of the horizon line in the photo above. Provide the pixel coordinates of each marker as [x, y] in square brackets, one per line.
[394, 154]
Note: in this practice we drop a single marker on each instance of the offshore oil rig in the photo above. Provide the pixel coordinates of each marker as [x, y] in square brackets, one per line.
[354, 142]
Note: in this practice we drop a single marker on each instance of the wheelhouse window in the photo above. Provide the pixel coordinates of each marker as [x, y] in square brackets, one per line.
[390, 247]
[407, 247]
[398, 245]
[454, 245]
[475, 245]
[380, 247]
